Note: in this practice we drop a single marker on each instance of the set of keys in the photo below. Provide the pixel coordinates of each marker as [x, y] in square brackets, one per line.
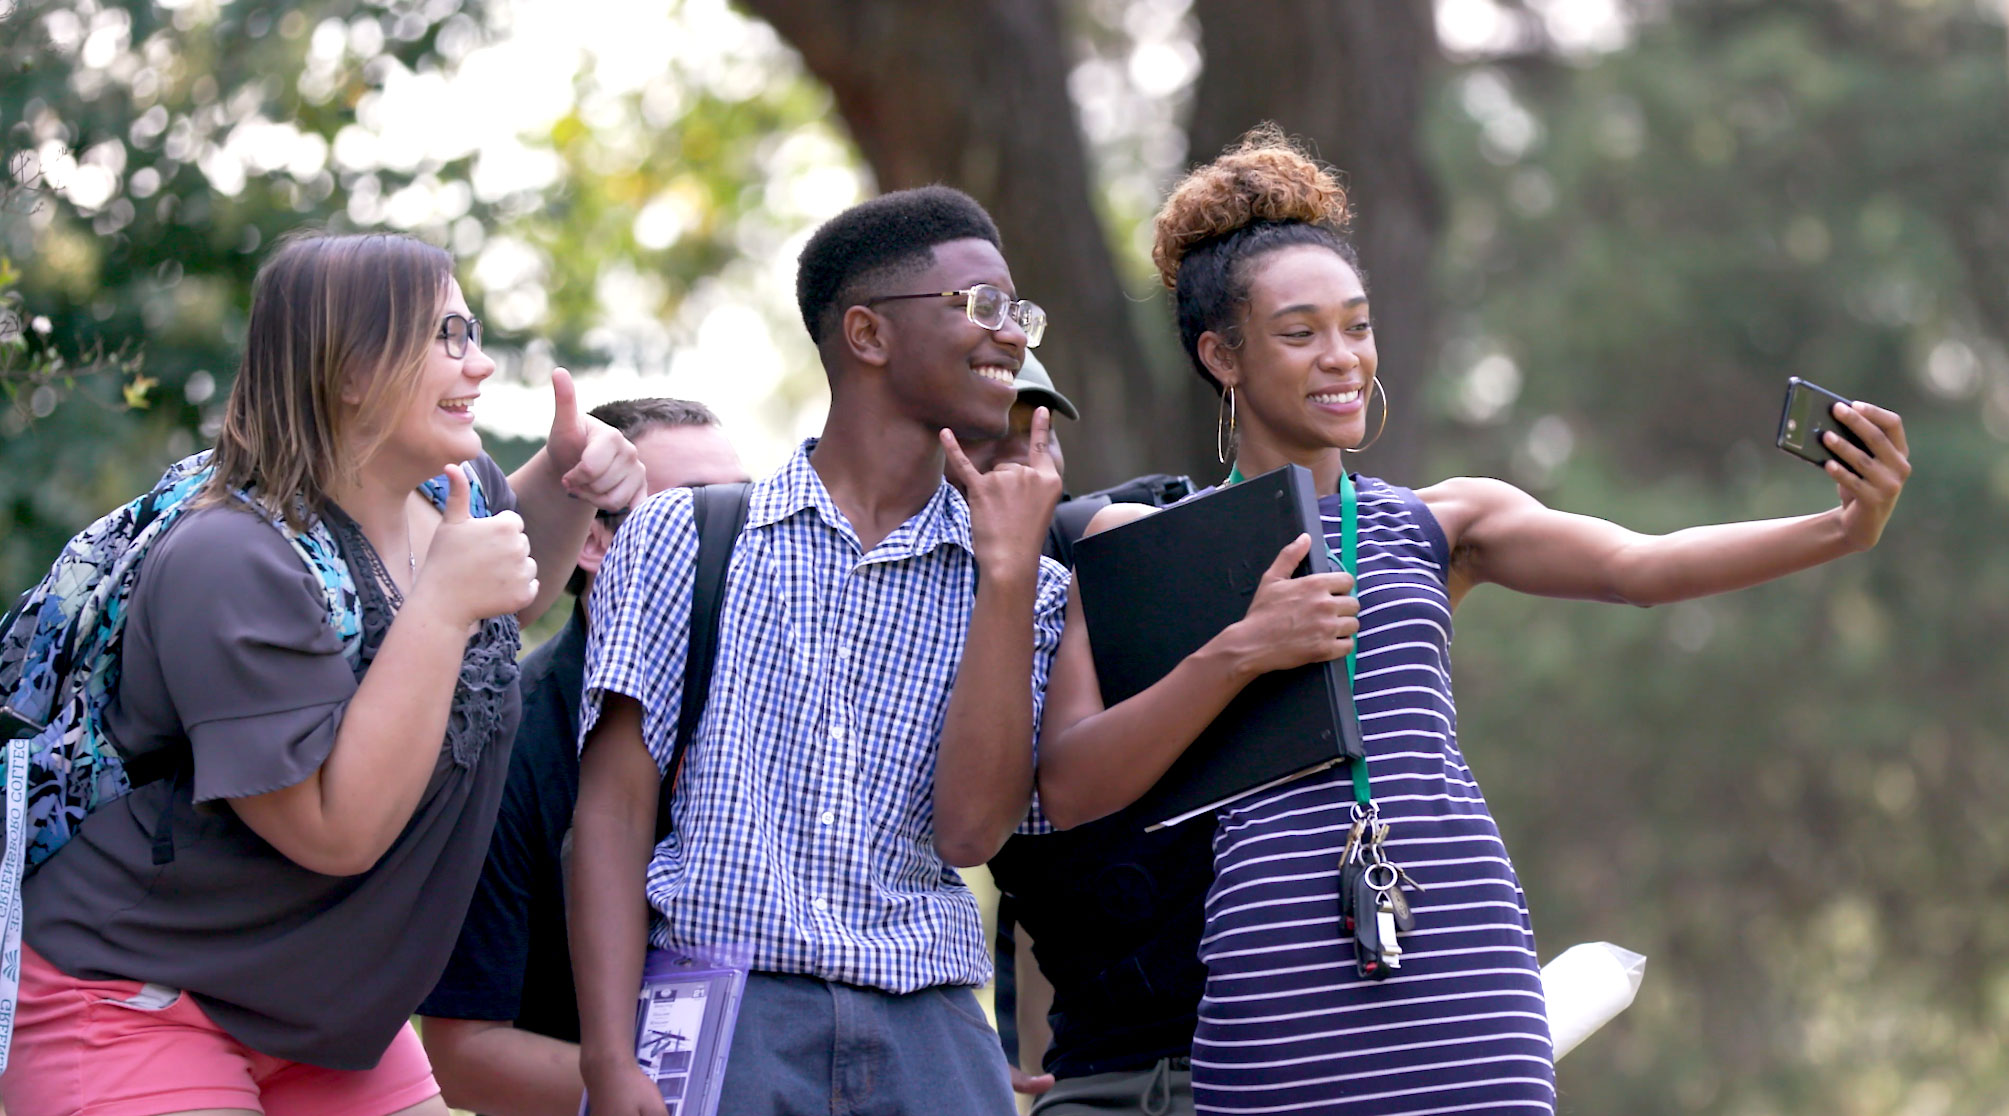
[1372, 905]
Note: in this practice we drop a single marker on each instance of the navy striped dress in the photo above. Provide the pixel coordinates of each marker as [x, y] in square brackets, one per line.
[1287, 1024]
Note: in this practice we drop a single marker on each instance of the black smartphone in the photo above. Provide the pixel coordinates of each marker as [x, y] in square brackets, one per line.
[1809, 413]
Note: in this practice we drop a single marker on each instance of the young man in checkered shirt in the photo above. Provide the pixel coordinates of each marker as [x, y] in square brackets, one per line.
[883, 649]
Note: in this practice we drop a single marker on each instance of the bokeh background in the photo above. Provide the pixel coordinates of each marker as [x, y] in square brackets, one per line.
[1600, 235]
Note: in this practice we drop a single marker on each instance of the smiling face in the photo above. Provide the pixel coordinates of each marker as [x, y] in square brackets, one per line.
[942, 369]
[1302, 372]
[434, 427]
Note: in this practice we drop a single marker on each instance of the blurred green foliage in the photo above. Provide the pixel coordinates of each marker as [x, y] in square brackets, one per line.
[1789, 797]
[132, 224]
[154, 153]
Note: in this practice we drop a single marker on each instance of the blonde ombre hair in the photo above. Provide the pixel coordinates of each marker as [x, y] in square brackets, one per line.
[339, 333]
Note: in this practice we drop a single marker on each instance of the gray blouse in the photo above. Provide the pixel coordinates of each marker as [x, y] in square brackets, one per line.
[228, 648]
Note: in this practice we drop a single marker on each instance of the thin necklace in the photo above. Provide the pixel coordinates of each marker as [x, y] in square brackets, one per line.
[373, 563]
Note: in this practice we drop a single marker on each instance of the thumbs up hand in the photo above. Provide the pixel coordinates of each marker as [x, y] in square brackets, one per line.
[475, 568]
[594, 461]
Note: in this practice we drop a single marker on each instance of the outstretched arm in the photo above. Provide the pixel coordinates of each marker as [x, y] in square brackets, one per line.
[1502, 535]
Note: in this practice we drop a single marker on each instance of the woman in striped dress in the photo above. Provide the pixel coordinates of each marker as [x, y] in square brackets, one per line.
[1273, 311]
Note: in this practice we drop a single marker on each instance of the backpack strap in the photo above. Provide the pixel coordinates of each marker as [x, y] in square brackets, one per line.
[1004, 977]
[1156, 489]
[1072, 517]
[719, 512]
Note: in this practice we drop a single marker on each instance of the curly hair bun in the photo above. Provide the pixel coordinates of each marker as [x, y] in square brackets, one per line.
[1265, 176]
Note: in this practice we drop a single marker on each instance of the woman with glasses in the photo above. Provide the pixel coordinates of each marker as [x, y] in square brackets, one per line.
[1427, 1000]
[252, 930]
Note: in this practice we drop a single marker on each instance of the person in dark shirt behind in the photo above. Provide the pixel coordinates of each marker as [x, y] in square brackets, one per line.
[502, 1025]
[1098, 971]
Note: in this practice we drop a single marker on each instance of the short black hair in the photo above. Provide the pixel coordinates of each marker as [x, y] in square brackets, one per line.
[634, 418]
[891, 235]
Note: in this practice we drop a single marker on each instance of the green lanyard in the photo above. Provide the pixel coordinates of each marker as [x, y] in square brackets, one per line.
[1349, 560]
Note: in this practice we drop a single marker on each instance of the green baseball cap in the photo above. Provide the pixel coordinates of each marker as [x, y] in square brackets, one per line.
[1036, 387]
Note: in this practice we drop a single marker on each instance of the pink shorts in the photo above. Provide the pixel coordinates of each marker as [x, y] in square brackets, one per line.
[122, 1048]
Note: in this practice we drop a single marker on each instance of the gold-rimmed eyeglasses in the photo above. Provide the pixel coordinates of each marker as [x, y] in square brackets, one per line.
[989, 307]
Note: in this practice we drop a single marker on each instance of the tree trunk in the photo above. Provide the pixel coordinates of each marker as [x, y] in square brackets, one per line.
[973, 93]
[1348, 75]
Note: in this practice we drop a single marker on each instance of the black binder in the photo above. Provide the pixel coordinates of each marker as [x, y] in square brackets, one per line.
[1157, 589]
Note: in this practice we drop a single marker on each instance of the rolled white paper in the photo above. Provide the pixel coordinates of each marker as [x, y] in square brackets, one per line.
[1587, 985]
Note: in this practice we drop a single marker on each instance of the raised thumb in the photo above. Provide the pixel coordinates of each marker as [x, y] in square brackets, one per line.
[564, 401]
[458, 496]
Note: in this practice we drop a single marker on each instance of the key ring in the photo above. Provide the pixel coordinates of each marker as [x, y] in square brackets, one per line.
[1388, 880]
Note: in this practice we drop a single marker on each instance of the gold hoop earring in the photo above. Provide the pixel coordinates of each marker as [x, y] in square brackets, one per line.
[1225, 433]
[1375, 387]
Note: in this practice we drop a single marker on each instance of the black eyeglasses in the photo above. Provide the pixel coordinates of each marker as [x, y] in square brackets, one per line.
[459, 331]
[989, 307]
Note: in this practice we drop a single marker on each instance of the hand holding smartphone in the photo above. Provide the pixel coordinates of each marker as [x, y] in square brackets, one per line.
[1807, 415]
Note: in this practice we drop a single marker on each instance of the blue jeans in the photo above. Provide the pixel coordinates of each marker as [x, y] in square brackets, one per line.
[807, 1047]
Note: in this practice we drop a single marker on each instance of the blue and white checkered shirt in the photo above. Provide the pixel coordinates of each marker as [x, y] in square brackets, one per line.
[803, 825]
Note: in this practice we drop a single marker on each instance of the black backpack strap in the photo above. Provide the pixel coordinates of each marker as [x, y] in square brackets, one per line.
[719, 512]
[1072, 517]
[1004, 986]
[1155, 489]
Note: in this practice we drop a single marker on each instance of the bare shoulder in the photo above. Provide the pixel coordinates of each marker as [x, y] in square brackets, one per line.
[1453, 491]
[1460, 502]
[1116, 515]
